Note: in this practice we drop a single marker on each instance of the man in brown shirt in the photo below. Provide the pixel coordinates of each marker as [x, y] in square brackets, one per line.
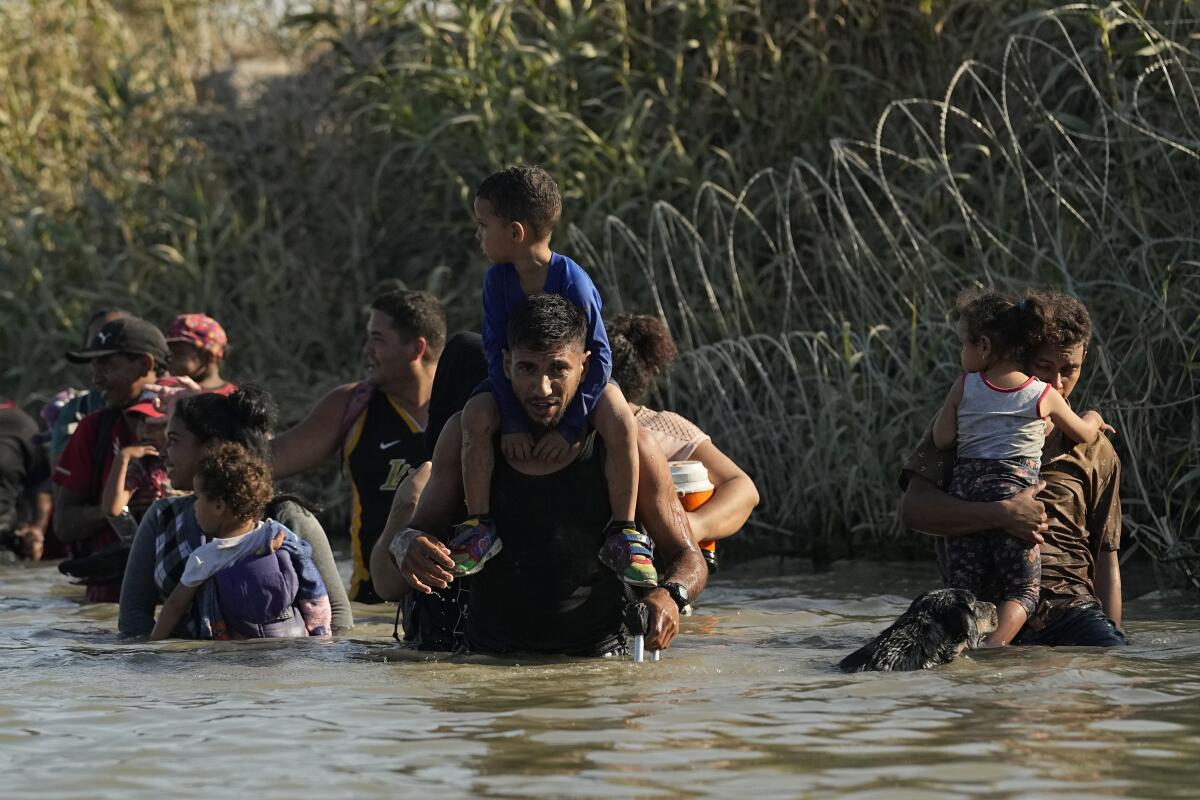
[1074, 513]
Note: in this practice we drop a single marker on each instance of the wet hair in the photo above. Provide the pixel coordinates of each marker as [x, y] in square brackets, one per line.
[246, 418]
[1014, 325]
[642, 348]
[524, 194]
[1068, 323]
[233, 475]
[544, 322]
[415, 314]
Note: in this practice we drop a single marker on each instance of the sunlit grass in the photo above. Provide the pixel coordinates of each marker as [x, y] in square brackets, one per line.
[800, 193]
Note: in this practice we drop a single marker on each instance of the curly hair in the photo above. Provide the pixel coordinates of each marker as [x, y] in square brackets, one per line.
[524, 194]
[232, 474]
[642, 348]
[1013, 326]
[1068, 323]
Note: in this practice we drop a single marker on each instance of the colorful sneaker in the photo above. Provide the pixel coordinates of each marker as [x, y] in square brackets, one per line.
[627, 552]
[473, 543]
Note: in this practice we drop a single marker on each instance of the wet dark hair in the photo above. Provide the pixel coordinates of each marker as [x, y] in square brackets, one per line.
[415, 314]
[642, 348]
[545, 322]
[1014, 325]
[246, 418]
[231, 474]
[524, 194]
[1068, 323]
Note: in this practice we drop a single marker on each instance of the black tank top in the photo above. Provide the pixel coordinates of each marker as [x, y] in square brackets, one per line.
[546, 591]
[382, 448]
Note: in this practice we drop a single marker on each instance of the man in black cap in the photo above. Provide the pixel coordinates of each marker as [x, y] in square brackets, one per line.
[125, 356]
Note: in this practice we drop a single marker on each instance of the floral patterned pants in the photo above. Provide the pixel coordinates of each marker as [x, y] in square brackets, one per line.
[992, 565]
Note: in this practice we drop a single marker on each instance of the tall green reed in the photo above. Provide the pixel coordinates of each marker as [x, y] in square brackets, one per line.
[799, 192]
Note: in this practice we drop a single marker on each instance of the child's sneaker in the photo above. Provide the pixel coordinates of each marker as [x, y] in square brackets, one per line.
[628, 552]
[473, 543]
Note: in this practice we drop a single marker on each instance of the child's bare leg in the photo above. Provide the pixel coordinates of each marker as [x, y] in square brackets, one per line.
[1019, 565]
[480, 419]
[614, 421]
[1010, 618]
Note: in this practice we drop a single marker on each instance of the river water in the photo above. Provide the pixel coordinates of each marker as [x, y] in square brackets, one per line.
[746, 704]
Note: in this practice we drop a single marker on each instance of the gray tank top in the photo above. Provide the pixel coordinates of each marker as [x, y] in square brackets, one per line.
[996, 423]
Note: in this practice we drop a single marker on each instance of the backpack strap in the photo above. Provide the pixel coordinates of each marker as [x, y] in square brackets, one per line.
[356, 406]
[101, 448]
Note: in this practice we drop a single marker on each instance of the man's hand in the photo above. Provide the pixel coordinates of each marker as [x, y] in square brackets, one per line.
[517, 446]
[551, 447]
[1023, 516]
[664, 620]
[426, 563]
[33, 540]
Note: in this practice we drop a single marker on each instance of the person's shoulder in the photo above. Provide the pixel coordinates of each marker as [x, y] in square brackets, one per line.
[1099, 453]
[170, 507]
[18, 421]
[287, 513]
[571, 268]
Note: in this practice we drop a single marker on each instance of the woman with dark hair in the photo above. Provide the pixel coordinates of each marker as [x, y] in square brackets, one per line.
[169, 532]
[642, 350]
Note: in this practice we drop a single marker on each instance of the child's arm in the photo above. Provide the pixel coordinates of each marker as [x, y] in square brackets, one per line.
[1083, 429]
[116, 497]
[495, 341]
[172, 611]
[582, 292]
[945, 424]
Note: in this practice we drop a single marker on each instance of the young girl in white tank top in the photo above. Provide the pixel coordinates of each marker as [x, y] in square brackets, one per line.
[996, 417]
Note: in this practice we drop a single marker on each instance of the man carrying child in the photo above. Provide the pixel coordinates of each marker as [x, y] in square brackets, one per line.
[1074, 513]
[516, 210]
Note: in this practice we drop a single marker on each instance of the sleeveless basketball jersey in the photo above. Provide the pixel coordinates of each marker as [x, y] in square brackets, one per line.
[382, 448]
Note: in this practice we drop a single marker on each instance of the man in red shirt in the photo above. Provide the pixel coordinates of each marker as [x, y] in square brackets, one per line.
[125, 355]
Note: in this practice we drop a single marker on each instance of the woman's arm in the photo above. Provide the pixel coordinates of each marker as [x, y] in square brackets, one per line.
[297, 519]
[734, 496]
[172, 611]
[139, 594]
[945, 424]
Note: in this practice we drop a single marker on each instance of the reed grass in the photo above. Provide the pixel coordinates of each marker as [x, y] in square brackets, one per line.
[799, 190]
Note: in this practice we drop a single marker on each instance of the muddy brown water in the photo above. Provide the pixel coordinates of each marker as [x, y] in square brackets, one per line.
[747, 704]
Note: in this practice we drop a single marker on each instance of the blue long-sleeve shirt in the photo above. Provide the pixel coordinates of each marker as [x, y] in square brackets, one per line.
[501, 294]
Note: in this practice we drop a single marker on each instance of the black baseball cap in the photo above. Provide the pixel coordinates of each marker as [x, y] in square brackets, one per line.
[128, 335]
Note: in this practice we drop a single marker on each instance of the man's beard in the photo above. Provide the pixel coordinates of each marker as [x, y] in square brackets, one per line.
[539, 429]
